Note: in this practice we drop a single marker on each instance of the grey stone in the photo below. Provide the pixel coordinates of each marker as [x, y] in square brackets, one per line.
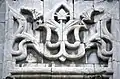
[2, 32]
[1, 70]
[59, 39]
[1, 53]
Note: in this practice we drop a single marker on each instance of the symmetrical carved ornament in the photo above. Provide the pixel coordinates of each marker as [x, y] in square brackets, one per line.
[61, 38]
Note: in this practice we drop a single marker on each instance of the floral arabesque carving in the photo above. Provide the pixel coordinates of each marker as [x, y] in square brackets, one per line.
[61, 25]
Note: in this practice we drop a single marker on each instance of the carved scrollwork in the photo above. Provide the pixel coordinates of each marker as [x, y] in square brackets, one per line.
[55, 33]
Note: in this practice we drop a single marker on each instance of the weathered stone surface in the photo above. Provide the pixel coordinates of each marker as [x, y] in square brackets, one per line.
[2, 36]
[55, 39]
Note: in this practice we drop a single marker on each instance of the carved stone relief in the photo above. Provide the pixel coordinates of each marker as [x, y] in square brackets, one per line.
[62, 43]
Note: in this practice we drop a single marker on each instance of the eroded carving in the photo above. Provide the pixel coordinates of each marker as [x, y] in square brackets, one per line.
[62, 34]
[61, 42]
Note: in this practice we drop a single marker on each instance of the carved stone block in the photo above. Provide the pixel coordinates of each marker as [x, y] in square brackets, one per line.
[61, 39]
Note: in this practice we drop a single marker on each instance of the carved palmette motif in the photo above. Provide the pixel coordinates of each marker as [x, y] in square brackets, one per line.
[62, 34]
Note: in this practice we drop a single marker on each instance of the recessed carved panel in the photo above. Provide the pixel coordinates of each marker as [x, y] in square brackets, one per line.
[60, 42]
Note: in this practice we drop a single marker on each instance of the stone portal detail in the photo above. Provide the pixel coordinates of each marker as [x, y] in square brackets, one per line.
[57, 36]
[61, 42]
